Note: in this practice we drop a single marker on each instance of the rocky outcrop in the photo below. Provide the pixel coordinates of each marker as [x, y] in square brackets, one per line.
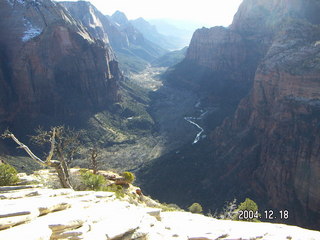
[51, 67]
[260, 18]
[133, 40]
[269, 148]
[219, 66]
[96, 23]
[282, 117]
[129, 44]
[137, 42]
[40, 213]
[217, 59]
[224, 60]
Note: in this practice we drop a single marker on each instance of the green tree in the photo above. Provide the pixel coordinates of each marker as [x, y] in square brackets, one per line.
[117, 189]
[93, 181]
[247, 210]
[8, 175]
[128, 177]
[195, 208]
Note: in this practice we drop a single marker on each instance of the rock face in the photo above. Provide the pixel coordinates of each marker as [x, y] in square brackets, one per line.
[134, 39]
[67, 214]
[97, 24]
[212, 52]
[129, 44]
[51, 67]
[219, 66]
[269, 148]
[281, 118]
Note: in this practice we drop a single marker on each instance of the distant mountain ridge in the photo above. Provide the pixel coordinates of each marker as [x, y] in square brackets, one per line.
[132, 49]
[180, 32]
[170, 59]
[151, 33]
[119, 18]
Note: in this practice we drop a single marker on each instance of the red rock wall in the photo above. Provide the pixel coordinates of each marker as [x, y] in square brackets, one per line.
[58, 72]
[282, 116]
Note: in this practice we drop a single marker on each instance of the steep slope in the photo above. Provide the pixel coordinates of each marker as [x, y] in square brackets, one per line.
[269, 149]
[219, 67]
[132, 49]
[51, 67]
[170, 59]
[96, 23]
[282, 118]
[137, 43]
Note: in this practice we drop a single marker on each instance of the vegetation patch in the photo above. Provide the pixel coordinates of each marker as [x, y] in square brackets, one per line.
[8, 175]
[129, 177]
[93, 181]
[247, 211]
[195, 208]
[117, 189]
[169, 207]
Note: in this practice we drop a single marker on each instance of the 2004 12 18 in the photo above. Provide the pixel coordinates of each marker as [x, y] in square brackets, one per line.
[267, 215]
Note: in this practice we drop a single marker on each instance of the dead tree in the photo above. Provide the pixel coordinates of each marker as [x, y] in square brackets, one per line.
[94, 153]
[67, 141]
[59, 141]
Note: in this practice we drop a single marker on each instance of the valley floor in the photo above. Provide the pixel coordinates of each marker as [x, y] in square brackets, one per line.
[124, 148]
[168, 107]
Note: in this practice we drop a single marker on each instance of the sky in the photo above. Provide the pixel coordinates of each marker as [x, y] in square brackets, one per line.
[207, 12]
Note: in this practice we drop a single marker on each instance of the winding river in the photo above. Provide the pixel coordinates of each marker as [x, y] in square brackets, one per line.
[191, 120]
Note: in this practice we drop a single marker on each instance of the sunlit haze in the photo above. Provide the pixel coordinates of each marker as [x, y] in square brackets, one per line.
[207, 12]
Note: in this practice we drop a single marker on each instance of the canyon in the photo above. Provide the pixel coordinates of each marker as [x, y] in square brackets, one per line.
[132, 49]
[266, 147]
[234, 115]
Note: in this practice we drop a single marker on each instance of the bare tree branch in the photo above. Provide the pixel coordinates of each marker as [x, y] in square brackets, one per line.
[53, 142]
[8, 134]
[56, 139]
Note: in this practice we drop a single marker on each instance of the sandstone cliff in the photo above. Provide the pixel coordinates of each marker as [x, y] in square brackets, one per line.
[269, 149]
[217, 59]
[51, 67]
[132, 49]
[219, 66]
[281, 117]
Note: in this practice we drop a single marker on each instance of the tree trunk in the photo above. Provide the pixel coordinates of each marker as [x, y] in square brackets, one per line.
[62, 174]
[60, 166]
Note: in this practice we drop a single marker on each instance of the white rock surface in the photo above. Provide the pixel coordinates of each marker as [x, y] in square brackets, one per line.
[35, 214]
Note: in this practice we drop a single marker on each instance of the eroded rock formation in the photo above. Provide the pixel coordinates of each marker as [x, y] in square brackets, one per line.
[282, 117]
[51, 67]
[116, 30]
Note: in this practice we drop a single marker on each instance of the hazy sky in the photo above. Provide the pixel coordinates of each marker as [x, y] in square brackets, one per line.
[209, 12]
